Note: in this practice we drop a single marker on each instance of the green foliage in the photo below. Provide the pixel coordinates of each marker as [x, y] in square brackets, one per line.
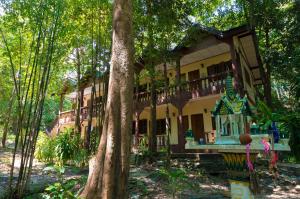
[69, 147]
[176, 178]
[94, 140]
[66, 145]
[64, 148]
[288, 123]
[63, 188]
[292, 123]
[58, 191]
[45, 148]
[57, 169]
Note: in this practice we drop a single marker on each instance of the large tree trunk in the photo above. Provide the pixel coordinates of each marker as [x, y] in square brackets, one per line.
[110, 169]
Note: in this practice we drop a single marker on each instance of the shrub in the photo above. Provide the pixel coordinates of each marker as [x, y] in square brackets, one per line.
[176, 179]
[66, 146]
[70, 188]
[45, 148]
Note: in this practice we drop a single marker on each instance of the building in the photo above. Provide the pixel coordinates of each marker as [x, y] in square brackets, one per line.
[204, 59]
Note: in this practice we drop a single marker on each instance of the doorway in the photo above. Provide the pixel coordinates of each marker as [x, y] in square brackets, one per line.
[198, 126]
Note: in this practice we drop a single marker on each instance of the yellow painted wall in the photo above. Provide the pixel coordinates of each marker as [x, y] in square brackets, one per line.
[193, 106]
[191, 67]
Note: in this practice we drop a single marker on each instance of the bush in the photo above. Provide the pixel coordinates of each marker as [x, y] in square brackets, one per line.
[176, 180]
[66, 147]
[45, 148]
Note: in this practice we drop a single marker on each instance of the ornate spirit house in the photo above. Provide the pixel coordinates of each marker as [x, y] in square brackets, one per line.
[232, 115]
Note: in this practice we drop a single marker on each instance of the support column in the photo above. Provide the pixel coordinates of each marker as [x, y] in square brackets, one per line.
[137, 130]
[181, 140]
[217, 134]
[237, 70]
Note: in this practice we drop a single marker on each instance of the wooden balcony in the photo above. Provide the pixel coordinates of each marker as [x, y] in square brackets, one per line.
[66, 117]
[210, 85]
[70, 116]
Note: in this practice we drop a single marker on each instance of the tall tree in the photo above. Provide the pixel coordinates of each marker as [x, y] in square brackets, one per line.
[110, 168]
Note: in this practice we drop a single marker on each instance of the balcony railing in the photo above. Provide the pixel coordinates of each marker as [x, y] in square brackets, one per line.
[210, 85]
[70, 116]
[66, 117]
[161, 141]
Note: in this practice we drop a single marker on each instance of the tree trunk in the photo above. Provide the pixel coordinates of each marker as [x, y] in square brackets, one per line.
[6, 125]
[168, 128]
[267, 85]
[110, 169]
[152, 132]
[90, 119]
[179, 107]
[78, 101]
[137, 114]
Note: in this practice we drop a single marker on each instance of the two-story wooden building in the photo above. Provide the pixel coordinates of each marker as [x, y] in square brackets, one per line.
[203, 59]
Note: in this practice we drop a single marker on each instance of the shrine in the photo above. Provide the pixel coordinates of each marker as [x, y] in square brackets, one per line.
[239, 140]
[232, 115]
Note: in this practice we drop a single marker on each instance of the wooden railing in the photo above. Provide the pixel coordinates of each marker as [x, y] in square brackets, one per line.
[161, 140]
[210, 85]
[85, 112]
[67, 117]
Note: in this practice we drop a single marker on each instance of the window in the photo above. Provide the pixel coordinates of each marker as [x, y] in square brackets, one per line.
[183, 77]
[161, 126]
[142, 127]
[219, 68]
[213, 123]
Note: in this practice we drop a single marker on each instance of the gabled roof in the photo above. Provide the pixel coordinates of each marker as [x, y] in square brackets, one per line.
[198, 32]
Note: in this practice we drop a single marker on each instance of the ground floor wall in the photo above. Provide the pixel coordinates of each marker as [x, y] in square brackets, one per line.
[196, 115]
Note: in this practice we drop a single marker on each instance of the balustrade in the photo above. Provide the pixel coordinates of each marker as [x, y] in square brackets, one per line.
[66, 117]
[210, 85]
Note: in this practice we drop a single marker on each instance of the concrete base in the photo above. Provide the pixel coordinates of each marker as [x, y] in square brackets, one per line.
[240, 190]
[256, 145]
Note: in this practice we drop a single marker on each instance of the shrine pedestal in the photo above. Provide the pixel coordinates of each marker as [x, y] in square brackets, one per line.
[238, 174]
[240, 190]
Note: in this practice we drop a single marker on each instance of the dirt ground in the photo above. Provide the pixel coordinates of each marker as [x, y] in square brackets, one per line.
[187, 179]
[199, 184]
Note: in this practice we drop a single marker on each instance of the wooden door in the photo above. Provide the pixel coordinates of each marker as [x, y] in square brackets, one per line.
[194, 85]
[185, 122]
[198, 126]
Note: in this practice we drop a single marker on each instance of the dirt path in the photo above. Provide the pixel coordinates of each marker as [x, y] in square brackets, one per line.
[187, 180]
[40, 178]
